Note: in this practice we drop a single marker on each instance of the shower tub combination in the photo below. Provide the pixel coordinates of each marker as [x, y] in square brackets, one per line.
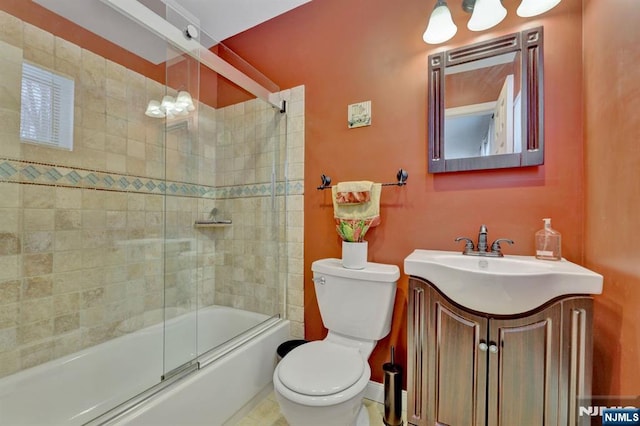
[80, 387]
[96, 384]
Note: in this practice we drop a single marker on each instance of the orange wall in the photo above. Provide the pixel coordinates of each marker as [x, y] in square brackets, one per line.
[357, 50]
[612, 159]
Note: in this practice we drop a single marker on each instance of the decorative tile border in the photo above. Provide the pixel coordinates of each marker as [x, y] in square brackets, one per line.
[45, 174]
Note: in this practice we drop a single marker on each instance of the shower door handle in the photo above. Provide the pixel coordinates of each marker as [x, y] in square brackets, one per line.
[273, 188]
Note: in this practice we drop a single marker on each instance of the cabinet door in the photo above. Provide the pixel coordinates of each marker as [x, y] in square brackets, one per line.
[457, 364]
[576, 360]
[416, 356]
[446, 363]
[524, 357]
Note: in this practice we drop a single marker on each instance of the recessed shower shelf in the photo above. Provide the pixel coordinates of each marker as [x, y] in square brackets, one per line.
[212, 224]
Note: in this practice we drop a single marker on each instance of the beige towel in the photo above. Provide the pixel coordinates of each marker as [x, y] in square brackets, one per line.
[366, 210]
[353, 192]
[354, 186]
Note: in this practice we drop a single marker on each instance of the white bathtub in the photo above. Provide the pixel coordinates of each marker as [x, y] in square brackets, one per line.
[81, 386]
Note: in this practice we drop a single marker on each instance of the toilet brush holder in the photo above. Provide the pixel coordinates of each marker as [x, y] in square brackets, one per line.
[392, 392]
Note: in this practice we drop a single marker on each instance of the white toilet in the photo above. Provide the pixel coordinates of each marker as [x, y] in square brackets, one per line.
[323, 382]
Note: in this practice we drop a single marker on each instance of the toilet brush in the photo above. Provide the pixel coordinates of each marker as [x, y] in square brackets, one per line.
[392, 392]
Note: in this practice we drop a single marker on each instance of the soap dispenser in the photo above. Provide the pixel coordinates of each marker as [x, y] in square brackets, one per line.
[548, 242]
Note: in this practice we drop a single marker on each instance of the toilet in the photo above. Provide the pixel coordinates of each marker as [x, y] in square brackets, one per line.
[323, 382]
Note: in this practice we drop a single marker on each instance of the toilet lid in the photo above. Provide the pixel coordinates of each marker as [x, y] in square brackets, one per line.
[320, 368]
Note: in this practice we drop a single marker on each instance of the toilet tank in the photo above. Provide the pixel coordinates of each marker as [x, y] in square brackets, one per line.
[356, 302]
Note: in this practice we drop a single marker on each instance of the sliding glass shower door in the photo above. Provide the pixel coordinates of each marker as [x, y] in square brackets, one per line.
[224, 202]
[182, 148]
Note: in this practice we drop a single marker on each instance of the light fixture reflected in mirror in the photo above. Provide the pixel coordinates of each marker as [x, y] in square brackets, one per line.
[485, 14]
[441, 27]
[153, 110]
[183, 100]
[171, 107]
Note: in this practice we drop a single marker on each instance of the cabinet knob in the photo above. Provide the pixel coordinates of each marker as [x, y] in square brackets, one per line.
[483, 346]
[493, 348]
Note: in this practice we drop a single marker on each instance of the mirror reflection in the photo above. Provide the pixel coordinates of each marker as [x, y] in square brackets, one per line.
[485, 104]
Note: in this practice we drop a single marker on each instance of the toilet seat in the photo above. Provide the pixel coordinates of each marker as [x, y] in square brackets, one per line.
[321, 368]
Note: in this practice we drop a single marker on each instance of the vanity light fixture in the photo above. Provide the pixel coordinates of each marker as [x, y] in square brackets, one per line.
[441, 27]
[485, 14]
[535, 7]
[171, 107]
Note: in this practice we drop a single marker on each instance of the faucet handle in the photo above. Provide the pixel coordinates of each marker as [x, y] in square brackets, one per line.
[468, 245]
[495, 247]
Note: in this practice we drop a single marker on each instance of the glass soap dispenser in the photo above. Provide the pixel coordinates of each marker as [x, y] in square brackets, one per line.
[548, 242]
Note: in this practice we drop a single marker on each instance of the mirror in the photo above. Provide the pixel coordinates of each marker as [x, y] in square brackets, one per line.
[486, 104]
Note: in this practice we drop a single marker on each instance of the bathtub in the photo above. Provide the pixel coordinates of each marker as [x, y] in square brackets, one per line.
[79, 387]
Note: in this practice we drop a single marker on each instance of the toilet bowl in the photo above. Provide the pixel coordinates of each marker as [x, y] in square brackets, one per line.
[323, 382]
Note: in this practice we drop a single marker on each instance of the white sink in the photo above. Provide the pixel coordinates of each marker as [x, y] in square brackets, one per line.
[501, 285]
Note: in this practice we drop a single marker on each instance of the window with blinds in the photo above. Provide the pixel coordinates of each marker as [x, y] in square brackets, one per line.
[46, 115]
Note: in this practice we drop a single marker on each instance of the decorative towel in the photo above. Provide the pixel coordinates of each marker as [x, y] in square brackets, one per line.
[353, 192]
[368, 211]
[353, 230]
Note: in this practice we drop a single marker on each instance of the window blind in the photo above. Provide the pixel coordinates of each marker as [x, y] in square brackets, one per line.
[47, 108]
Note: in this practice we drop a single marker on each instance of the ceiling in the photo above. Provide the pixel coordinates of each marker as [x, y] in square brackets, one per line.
[222, 19]
[217, 20]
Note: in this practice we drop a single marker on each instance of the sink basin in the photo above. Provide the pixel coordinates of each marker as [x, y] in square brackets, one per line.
[501, 285]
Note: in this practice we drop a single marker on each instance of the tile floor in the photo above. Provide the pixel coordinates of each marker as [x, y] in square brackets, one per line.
[267, 413]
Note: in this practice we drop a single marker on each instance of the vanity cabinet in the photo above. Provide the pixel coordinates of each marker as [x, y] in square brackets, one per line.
[468, 368]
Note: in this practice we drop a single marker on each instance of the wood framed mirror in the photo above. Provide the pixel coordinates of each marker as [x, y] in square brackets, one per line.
[486, 106]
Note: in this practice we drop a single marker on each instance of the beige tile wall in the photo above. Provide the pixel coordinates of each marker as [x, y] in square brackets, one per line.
[294, 215]
[81, 265]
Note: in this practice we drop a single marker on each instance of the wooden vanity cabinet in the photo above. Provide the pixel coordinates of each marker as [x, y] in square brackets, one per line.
[472, 369]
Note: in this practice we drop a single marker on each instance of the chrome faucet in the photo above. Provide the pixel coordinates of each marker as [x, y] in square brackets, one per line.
[482, 238]
[496, 250]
